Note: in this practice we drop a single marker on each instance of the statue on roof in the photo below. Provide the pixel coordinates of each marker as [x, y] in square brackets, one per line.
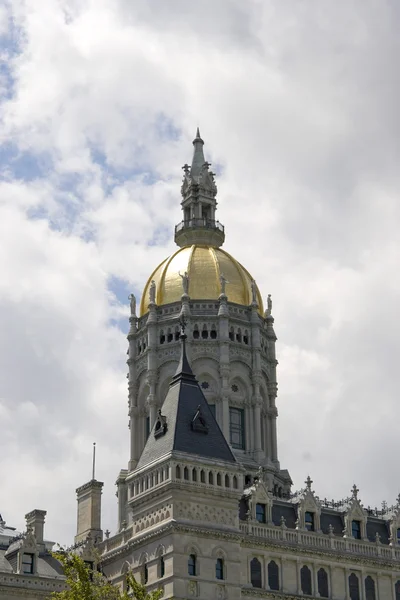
[185, 282]
[152, 292]
[253, 292]
[132, 300]
[223, 281]
[269, 306]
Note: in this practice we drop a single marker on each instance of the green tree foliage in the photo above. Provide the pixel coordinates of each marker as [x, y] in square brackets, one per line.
[87, 584]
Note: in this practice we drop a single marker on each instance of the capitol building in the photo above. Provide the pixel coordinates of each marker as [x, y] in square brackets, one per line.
[205, 508]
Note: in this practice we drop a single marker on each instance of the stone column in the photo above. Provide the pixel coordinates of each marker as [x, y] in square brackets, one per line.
[132, 390]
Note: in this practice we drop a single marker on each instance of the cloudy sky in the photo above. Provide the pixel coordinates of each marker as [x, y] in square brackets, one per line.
[297, 101]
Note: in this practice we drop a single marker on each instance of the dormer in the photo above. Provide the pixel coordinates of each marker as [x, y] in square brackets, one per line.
[309, 509]
[258, 501]
[355, 519]
[23, 554]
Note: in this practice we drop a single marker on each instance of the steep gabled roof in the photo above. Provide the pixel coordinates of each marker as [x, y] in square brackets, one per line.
[185, 423]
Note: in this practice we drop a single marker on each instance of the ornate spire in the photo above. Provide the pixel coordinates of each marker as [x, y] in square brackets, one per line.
[199, 203]
[198, 155]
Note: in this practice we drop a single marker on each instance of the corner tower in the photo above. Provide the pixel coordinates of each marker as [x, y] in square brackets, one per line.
[230, 339]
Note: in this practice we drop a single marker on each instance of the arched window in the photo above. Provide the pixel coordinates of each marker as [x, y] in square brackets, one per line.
[235, 482]
[246, 337]
[186, 473]
[255, 573]
[239, 335]
[226, 480]
[273, 575]
[170, 337]
[204, 333]
[397, 590]
[323, 588]
[194, 475]
[211, 478]
[177, 333]
[369, 588]
[213, 333]
[218, 478]
[398, 535]
[202, 476]
[356, 530]
[161, 567]
[196, 333]
[219, 569]
[354, 587]
[145, 574]
[192, 570]
[231, 334]
[178, 472]
[305, 579]
[162, 337]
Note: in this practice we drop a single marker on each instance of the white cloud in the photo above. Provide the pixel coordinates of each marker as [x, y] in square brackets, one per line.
[298, 104]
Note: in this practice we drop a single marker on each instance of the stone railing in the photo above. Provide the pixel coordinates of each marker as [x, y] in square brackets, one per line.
[320, 541]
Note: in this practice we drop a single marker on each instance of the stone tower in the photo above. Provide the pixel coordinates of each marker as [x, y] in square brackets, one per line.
[230, 340]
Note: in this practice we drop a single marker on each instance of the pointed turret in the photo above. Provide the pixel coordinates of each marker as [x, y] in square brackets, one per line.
[185, 423]
[198, 155]
[199, 203]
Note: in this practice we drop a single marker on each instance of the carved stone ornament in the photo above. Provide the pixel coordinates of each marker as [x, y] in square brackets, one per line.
[161, 426]
[198, 422]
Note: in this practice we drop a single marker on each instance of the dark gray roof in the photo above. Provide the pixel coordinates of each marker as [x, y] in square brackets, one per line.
[47, 565]
[375, 526]
[288, 511]
[190, 425]
[332, 518]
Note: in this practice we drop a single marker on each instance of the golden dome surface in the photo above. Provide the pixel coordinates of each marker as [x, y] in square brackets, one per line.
[204, 265]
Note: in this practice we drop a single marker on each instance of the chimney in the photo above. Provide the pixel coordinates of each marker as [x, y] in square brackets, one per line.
[35, 521]
[89, 511]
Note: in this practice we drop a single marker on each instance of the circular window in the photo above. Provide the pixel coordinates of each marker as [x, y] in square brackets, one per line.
[234, 388]
[205, 385]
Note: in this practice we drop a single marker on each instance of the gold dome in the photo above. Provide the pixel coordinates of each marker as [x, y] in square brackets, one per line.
[204, 265]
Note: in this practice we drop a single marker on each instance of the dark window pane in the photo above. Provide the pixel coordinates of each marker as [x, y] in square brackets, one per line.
[192, 564]
[260, 513]
[397, 590]
[219, 569]
[305, 578]
[309, 521]
[354, 588]
[356, 530]
[323, 589]
[273, 575]
[255, 573]
[162, 567]
[369, 588]
[236, 426]
[27, 564]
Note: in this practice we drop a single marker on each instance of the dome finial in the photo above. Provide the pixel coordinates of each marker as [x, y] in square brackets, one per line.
[198, 155]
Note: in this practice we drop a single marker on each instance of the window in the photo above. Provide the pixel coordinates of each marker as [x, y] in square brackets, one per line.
[273, 575]
[219, 569]
[194, 475]
[356, 530]
[219, 479]
[186, 473]
[236, 428]
[255, 573]
[397, 590]
[161, 567]
[227, 481]
[369, 588]
[305, 579]
[211, 478]
[354, 588]
[145, 574]
[202, 476]
[260, 513]
[192, 564]
[309, 521]
[178, 472]
[323, 589]
[147, 427]
[398, 535]
[27, 564]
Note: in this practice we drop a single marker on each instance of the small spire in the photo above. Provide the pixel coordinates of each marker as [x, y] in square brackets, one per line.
[94, 462]
[308, 482]
[184, 370]
[198, 155]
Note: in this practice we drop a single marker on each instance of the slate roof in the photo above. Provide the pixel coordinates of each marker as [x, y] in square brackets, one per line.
[183, 401]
